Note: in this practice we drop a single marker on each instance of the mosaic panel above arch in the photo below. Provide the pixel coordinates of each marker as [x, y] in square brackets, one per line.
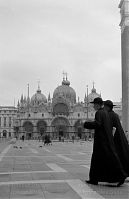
[60, 109]
[60, 121]
[78, 124]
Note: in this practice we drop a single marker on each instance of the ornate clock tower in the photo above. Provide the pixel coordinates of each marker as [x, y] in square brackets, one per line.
[124, 11]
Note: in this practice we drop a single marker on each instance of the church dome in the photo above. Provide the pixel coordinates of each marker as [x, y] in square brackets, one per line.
[65, 91]
[38, 97]
[93, 95]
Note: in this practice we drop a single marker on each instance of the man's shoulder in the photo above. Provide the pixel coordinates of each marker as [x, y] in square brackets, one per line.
[101, 111]
[113, 113]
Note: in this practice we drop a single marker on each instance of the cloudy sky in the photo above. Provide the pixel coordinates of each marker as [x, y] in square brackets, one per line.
[39, 39]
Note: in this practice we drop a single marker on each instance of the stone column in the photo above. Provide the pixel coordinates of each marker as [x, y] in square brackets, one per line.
[124, 10]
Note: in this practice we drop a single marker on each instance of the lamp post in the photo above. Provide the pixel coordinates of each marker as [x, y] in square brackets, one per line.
[28, 100]
[87, 102]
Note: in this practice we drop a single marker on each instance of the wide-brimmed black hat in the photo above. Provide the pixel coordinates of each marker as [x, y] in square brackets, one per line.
[109, 103]
[97, 100]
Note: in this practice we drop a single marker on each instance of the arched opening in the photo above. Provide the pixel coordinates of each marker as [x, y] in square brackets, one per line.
[78, 129]
[28, 129]
[60, 127]
[4, 133]
[41, 127]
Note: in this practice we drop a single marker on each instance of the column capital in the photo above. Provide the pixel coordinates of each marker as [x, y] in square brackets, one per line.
[120, 4]
[124, 11]
[123, 2]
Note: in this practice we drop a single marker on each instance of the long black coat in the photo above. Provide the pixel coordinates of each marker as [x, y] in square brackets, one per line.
[120, 141]
[105, 163]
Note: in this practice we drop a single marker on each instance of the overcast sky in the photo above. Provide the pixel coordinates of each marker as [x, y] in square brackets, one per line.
[39, 39]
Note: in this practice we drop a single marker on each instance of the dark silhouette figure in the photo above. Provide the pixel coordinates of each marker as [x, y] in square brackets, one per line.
[105, 163]
[47, 139]
[23, 138]
[120, 139]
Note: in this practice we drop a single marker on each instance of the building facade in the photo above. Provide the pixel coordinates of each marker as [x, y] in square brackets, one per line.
[8, 115]
[60, 115]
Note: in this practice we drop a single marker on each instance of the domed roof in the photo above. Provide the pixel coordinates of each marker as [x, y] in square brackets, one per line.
[38, 97]
[93, 94]
[65, 91]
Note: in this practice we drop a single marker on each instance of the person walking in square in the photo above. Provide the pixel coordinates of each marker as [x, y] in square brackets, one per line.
[120, 140]
[105, 163]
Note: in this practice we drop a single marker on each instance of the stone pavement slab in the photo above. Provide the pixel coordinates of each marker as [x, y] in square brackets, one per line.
[26, 191]
[5, 192]
[53, 172]
[59, 190]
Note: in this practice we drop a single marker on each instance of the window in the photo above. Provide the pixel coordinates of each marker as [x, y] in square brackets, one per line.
[78, 114]
[9, 121]
[4, 121]
[0, 121]
[42, 115]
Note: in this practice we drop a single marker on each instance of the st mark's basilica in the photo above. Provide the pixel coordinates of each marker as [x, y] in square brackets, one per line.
[61, 115]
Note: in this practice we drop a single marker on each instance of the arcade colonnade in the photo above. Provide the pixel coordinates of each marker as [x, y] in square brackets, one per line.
[59, 126]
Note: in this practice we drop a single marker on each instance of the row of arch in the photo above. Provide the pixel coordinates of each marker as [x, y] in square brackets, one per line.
[59, 124]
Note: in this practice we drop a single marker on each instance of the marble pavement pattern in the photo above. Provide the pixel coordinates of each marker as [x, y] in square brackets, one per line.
[30, 170]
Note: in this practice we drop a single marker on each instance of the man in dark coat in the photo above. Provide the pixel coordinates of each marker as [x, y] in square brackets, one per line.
[120, 139]
[105, 163]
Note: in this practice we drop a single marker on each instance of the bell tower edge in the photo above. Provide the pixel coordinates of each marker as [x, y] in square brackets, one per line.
[124, 11]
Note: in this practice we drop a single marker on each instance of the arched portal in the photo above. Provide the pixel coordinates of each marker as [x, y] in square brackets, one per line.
[41, 127]
[60, 127]
[78, 129]
[4, 133]
[28, 129]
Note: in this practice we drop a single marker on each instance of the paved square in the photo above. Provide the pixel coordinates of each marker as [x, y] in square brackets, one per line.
[31, 170]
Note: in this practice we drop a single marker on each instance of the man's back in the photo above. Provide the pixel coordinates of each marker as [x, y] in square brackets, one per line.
[120, 141]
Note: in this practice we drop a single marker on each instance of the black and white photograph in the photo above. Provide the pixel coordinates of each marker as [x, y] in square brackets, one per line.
[64, 99]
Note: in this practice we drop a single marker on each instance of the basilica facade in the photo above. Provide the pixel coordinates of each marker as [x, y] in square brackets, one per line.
[61, 115]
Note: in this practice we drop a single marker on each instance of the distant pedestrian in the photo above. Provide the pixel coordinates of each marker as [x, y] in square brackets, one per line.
[73, 138]
[105, 163]
[47, 140]
[23, 138]
[43, 138]
[85, 137]
[120, 140]
[59, 138]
